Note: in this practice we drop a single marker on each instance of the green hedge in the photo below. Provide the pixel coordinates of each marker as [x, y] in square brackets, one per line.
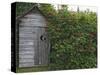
[73, 37]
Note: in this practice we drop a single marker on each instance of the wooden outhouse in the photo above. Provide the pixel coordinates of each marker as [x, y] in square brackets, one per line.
[31, 39]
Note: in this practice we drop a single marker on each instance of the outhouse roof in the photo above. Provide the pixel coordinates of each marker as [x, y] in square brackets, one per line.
[35, 6]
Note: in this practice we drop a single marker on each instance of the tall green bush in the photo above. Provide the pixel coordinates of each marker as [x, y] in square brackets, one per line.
[73, 37]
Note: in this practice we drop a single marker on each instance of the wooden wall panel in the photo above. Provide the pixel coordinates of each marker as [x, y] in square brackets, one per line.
[32, 50]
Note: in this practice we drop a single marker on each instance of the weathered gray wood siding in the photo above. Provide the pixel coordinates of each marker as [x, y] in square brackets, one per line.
[32, 50]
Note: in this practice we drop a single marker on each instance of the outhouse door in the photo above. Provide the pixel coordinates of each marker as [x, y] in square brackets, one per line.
[33, 41]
